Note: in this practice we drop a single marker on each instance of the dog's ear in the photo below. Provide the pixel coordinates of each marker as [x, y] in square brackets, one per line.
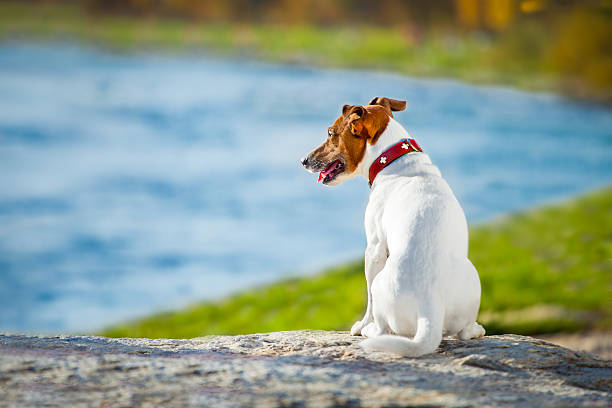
[355, 115]
[391, 105]
[346, 109]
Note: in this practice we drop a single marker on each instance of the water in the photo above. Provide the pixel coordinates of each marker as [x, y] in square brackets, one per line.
[135, 183]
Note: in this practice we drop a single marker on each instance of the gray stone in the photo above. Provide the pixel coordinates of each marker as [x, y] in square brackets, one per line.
[299, 368]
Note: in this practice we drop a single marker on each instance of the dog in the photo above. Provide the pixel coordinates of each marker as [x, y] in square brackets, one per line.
[421, 285]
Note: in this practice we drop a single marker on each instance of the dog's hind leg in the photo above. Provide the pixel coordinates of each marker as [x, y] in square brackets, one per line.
[472, 331]
[375, 258]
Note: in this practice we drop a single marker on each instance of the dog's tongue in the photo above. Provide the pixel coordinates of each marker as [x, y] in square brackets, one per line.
[325, 172]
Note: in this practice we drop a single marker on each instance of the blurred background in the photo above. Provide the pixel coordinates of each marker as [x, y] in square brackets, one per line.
[149, 158]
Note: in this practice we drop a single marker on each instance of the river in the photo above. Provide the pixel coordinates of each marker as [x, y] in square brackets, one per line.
[133, 183]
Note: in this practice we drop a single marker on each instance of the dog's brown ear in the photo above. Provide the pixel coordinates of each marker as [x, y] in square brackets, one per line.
[391, 105]
[346, 109]
[355, 115]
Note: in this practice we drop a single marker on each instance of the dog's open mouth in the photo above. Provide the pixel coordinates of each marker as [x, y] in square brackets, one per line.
[331, 171]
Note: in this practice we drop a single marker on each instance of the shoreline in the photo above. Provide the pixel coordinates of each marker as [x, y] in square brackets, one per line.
[505, 252]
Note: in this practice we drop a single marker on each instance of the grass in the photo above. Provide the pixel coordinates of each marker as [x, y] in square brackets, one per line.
[532, 55]
[542, 271]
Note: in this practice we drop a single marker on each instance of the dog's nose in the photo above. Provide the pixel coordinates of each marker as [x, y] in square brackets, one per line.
[304, 160]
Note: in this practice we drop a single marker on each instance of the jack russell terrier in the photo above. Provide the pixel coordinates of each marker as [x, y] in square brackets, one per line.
[421, 285]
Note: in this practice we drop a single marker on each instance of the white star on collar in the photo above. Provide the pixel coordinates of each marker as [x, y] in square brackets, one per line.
[383, 160]
[405, 146]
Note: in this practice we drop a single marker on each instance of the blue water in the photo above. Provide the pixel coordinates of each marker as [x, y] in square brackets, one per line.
[135, 183]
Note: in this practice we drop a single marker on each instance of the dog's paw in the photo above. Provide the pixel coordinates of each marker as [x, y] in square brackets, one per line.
[371, 330]
[473, 331]
[356, 329]
[480, 331]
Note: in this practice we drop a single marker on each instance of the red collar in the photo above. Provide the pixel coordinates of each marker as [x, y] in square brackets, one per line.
[393, 153]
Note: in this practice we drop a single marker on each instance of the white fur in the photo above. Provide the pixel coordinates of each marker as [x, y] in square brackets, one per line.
[421, 285]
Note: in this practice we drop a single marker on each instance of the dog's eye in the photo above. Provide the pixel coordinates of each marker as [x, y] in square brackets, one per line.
[330, 132]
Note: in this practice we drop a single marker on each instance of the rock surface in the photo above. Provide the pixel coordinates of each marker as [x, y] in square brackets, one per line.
[301, 368]
[596, 342]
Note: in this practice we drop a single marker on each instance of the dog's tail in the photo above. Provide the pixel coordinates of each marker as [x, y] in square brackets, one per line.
[427, 339]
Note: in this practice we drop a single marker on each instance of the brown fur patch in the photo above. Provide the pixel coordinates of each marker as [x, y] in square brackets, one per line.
[357, 126]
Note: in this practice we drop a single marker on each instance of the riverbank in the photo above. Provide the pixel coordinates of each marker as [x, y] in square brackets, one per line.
[542, 271]
[525, 57]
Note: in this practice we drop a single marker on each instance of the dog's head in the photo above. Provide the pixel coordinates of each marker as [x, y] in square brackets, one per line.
[338, 158]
